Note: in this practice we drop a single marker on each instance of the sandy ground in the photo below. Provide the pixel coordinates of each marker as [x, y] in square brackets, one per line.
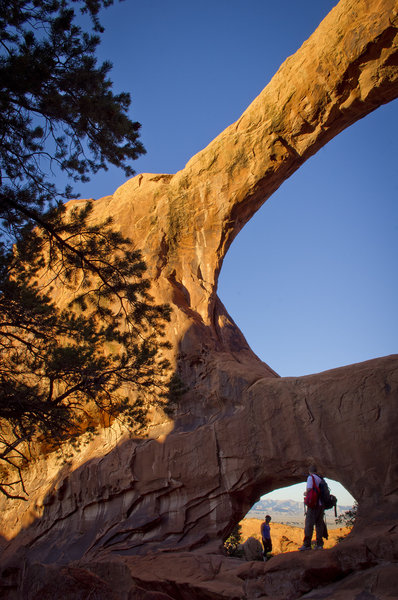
[286, 538]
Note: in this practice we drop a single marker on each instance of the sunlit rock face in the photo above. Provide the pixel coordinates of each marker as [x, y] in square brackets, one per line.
[240, 431]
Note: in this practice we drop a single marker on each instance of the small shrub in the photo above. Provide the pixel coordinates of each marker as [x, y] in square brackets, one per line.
[233, 542]
[347, 519]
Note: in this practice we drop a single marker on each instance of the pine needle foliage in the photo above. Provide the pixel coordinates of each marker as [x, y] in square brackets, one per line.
[59, 367]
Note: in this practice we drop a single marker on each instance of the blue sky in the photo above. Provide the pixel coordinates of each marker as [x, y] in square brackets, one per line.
[311, 280]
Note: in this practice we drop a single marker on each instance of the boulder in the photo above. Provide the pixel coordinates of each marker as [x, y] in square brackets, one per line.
[252, 549]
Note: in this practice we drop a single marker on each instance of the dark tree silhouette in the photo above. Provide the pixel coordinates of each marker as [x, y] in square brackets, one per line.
[62, 367]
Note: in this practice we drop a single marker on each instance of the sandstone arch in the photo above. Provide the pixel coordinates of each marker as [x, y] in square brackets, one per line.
[186, 487]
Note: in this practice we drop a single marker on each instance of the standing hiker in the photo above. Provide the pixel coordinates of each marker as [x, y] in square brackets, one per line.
[266, 536]
[314, 513]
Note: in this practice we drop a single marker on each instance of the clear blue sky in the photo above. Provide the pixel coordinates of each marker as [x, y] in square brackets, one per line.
[312, 279]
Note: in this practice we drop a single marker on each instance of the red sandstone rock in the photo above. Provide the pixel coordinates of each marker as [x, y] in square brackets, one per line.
[240, 431]
[197, 576]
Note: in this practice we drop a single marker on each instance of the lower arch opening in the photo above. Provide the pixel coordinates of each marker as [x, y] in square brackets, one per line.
[283, 512]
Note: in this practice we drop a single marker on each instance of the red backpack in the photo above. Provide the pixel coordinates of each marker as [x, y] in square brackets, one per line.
[312, 497]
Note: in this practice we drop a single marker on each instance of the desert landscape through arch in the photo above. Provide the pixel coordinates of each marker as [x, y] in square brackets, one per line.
[241, 430]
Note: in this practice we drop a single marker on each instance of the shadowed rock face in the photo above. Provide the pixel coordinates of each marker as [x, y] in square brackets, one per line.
[241, 431]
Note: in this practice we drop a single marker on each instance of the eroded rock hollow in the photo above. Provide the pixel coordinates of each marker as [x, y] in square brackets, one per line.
[241, 430]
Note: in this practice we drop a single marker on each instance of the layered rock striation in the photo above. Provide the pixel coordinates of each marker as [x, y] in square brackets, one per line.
[240, 431]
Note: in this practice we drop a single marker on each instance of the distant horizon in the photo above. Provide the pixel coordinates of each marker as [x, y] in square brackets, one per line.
[296, 492]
